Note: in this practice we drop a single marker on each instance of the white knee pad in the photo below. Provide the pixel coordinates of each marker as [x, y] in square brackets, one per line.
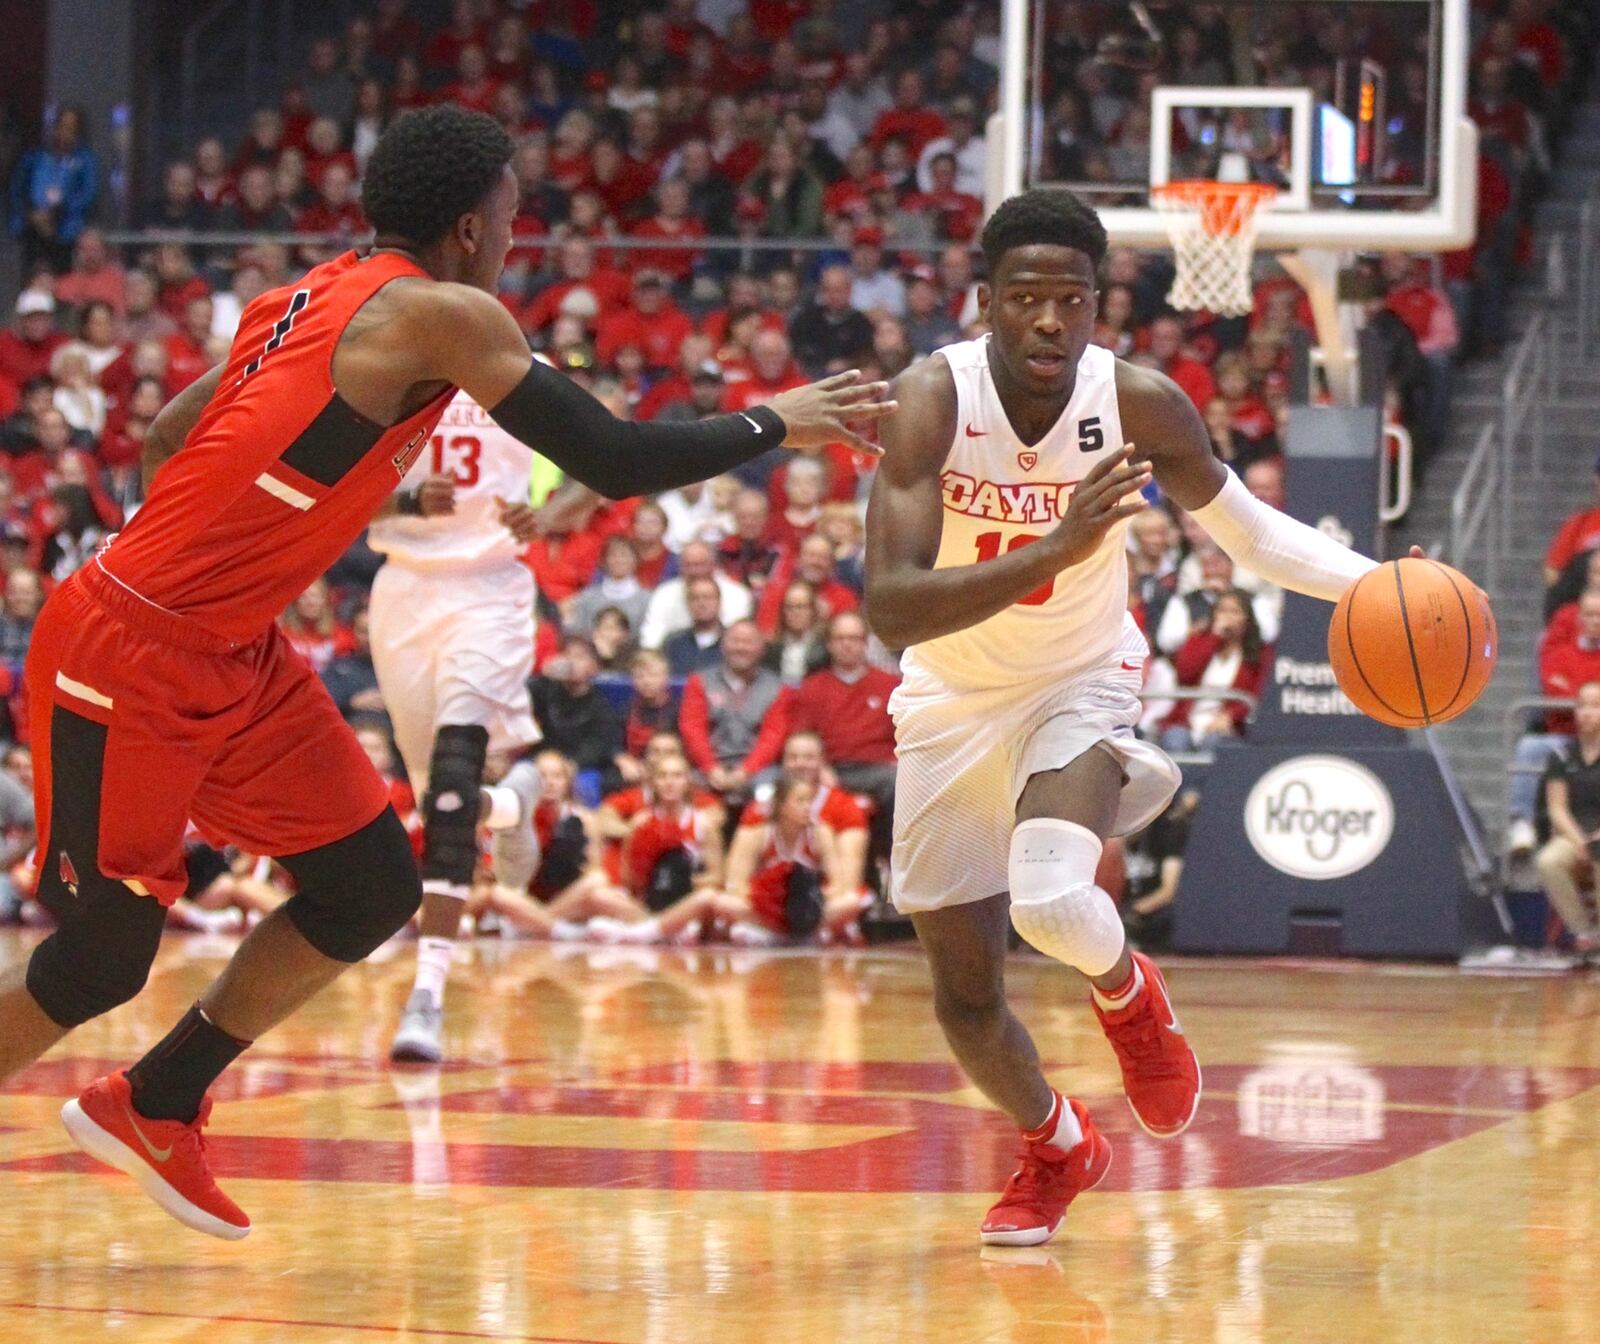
[1055, 904]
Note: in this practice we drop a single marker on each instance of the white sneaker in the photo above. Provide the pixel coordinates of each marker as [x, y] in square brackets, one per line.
[421, 1027]
[748, 934]
[604, 929]
[568, 931]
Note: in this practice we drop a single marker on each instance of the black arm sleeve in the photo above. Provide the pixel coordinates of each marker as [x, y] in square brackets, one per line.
[559, 420]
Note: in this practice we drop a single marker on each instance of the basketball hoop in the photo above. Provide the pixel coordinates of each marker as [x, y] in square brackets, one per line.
[1212, 226]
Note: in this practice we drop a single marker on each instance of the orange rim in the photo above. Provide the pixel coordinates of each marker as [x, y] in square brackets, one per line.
[1225, 207]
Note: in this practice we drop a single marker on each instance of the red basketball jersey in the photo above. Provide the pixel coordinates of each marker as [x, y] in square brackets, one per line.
[280, 474]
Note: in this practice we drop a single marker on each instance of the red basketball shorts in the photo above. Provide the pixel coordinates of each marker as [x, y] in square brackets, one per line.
[143, 721]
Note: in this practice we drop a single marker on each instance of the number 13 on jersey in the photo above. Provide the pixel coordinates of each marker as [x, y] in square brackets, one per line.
[989, 548]
[457, 456]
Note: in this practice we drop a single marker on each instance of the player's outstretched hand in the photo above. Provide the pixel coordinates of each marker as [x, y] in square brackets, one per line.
[436, 496]
[1108, 494]
[521, 520]
[821, 412]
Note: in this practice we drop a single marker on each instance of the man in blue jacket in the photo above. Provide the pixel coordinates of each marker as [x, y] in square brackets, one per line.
[53, 192]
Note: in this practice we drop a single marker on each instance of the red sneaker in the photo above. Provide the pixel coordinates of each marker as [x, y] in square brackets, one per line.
[1159, 1071]
[1050, 1178]
[166, 1157]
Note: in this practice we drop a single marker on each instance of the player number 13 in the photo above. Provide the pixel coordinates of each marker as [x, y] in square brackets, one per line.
[989, 548]
[457, 457]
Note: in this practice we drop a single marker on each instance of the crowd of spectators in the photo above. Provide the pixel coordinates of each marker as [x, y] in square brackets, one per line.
[1554, 789]
[725, 613]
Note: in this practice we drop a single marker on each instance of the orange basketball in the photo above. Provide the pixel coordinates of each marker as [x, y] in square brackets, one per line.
[1412, 643]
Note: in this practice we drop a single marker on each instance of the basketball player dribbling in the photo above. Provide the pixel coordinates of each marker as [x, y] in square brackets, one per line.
[996, 559]
[160, 689]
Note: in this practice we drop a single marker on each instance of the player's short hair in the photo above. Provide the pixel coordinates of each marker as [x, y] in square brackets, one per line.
[1049, 215]
[430, 167]
[648, 658]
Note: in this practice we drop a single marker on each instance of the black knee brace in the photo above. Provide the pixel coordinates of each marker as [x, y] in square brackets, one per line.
[356, 893]
[100, 955]
[451, 805]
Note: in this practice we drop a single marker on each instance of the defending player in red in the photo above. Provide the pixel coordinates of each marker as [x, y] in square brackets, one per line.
[160, 689]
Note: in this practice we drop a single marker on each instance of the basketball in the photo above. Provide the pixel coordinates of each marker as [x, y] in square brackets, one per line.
[1412, 643]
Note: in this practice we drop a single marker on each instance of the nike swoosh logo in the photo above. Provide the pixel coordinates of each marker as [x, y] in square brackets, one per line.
[750, 422]
[975, 433]
[156, 1154]
[1129, 667]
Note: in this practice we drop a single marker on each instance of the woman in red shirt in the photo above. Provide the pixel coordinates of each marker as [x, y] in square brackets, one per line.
[783, 874]
[1227, 655]
[671, 863]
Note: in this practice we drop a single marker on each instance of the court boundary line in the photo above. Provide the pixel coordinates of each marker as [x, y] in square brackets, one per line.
[233, 1319]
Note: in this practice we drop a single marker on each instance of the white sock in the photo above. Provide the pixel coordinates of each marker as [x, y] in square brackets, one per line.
[1068, 1133]
[433, 965]
[1111, 1005]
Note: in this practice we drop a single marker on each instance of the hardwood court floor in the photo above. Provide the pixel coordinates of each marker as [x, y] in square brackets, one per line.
[642, 1148]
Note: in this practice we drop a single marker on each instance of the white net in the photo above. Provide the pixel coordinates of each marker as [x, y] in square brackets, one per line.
[1212, 227]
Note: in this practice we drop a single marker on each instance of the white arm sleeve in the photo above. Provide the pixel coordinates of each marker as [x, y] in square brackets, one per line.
[1277, 547]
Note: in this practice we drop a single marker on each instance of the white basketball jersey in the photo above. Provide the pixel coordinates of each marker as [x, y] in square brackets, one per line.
[487, 465]
[1000, 494]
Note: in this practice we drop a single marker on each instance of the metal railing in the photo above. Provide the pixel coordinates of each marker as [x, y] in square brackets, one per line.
[1481, 506]
[1394, 478]
[1556, 277]
[1587, 265]
[1193, 693]
[1515, 725]
[1480, 499]
[1485, 868]
[1526, 391]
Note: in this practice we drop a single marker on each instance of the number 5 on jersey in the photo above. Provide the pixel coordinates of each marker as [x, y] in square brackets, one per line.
[457, 457]
[989, 549]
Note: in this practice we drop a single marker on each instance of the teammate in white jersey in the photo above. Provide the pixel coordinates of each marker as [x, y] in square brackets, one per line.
[995, 558]
[452, 642]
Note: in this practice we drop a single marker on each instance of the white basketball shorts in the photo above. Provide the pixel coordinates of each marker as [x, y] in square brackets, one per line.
[453, 648]
[965, 757]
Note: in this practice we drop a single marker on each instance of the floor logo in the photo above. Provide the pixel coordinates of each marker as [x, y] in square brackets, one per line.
[1319, 817]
